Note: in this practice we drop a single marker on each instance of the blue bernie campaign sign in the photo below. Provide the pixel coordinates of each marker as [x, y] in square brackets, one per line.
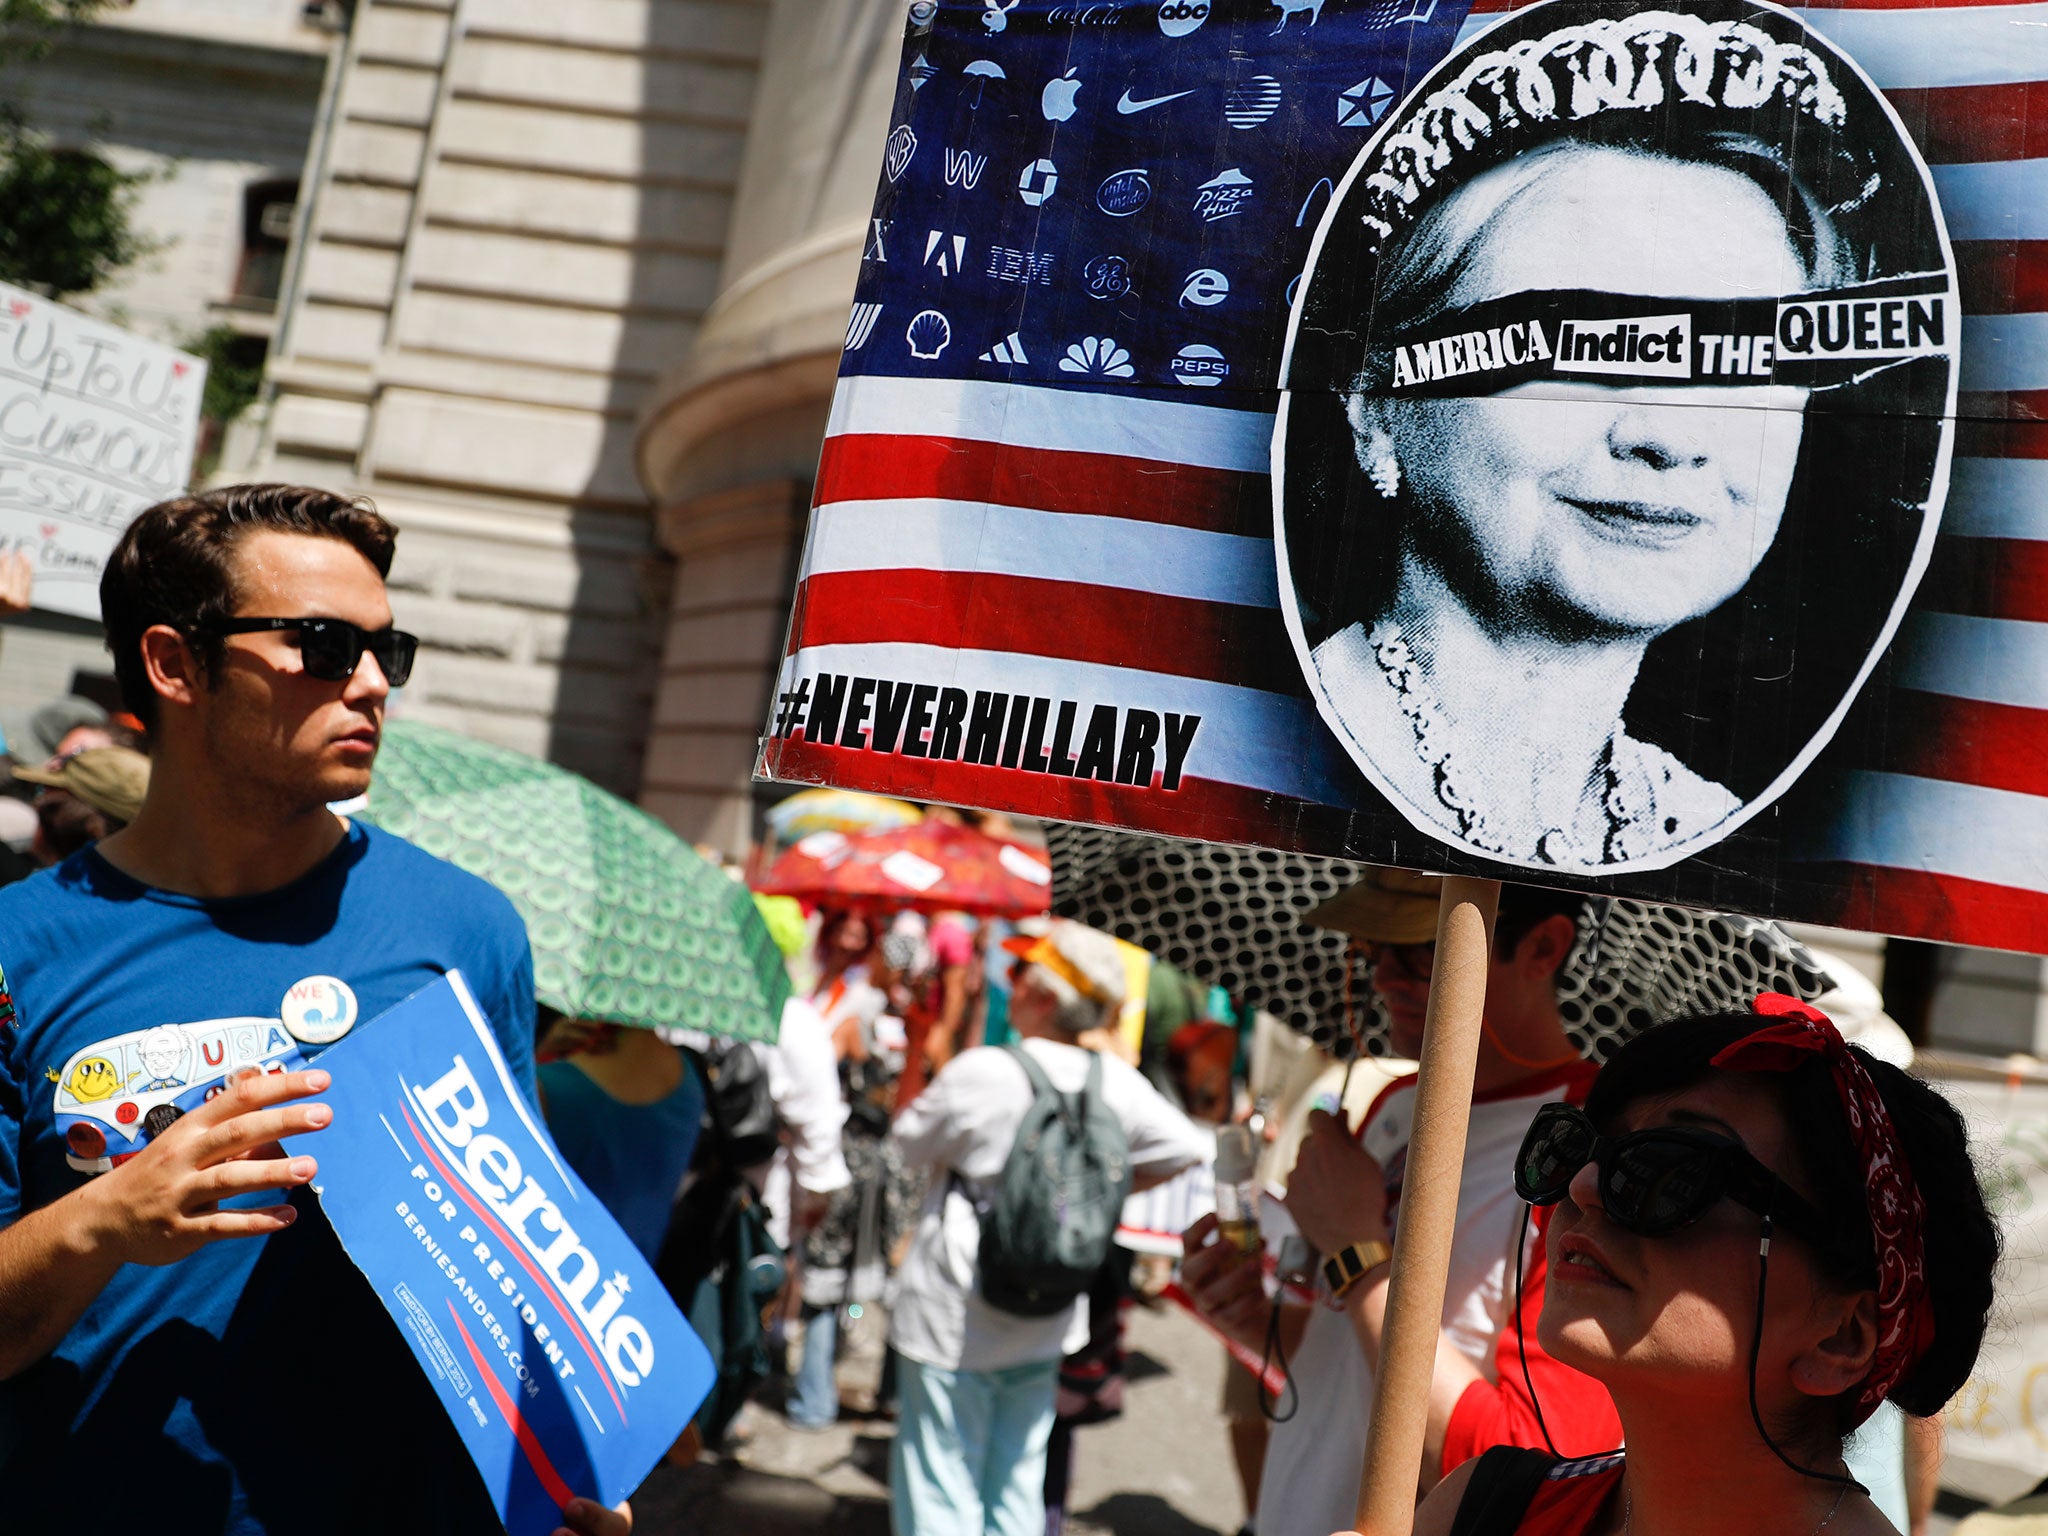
[557, 1352]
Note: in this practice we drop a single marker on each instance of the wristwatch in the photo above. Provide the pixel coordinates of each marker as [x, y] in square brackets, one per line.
[1352, 1263]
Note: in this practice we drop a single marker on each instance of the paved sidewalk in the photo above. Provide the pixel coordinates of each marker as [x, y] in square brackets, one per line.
[1163, 1469]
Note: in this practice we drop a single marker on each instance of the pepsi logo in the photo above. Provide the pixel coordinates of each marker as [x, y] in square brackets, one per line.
[1200, 365]
[1123, 193]
[1177, 18]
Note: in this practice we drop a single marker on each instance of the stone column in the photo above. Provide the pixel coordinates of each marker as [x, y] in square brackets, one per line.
[728, 442]
[735, 553]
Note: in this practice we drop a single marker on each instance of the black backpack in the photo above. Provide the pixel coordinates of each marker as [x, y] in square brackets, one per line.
[717, 1260]
[740, 1128]
[1055, 1211]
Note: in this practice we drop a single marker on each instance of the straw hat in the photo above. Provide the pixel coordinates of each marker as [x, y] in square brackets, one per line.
[112, 780]
[1389, 906]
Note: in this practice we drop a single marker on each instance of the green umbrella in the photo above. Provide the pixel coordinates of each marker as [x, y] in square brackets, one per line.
[629, 924]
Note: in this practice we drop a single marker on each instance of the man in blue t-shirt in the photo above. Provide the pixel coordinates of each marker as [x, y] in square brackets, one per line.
[182, 1339]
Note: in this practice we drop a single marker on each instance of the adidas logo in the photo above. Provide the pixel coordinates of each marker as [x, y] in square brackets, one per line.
[1009, 350]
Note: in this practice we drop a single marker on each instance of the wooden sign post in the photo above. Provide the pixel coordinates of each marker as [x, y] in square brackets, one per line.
[1429, 1207]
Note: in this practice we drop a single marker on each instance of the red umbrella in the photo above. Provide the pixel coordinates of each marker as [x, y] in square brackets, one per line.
[934, 866]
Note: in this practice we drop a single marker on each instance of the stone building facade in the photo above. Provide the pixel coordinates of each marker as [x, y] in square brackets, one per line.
[518, 224]
[220, 102]
[729, 439]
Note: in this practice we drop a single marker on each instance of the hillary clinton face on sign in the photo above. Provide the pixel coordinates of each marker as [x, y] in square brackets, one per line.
[1577, 447]
[1565, 511]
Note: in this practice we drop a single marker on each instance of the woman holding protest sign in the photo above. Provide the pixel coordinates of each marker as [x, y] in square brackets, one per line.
[1584, 333]
[1757, 1234]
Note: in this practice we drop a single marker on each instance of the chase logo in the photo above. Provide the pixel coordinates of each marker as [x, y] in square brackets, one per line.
[1177, 18]
[1199, 365]
[1123, 193]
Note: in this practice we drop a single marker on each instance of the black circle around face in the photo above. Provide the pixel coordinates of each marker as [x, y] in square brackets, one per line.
[1745, 695]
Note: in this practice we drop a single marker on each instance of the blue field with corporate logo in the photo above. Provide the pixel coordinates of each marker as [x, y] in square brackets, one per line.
[1118, 194]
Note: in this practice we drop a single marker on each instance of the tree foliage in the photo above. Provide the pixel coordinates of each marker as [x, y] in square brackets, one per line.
[66, 224]
[66, 227]
[29, 28]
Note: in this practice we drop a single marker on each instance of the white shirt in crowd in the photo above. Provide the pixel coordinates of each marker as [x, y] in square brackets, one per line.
[964, 1123]
[803, 1080]
[1314, 1460]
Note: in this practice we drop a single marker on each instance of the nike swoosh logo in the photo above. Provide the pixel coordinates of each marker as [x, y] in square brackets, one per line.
[1126, 106]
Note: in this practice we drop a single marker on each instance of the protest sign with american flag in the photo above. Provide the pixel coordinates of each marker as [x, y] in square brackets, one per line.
[1041, 571]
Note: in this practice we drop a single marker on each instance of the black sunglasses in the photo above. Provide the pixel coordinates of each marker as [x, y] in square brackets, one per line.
[331, 647]
[1656, 1182]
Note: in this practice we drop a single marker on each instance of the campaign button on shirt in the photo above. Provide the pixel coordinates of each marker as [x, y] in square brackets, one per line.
[318, 1010]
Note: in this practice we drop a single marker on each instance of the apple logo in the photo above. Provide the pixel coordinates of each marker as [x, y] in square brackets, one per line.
[1057, 100]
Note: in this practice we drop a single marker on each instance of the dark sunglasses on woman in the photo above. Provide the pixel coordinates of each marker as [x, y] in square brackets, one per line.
[330, 648]
[1657, 1182]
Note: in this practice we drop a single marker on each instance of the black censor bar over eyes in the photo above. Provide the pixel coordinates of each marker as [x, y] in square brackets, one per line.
[1811, 340]
[1115, 744]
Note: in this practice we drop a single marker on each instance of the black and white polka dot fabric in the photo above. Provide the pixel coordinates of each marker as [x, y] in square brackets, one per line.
[1232, 917]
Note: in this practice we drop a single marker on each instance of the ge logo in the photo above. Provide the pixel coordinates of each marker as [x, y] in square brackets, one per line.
[1177, 18]
[1036, 185]
[1206, 287]
[1107, 277]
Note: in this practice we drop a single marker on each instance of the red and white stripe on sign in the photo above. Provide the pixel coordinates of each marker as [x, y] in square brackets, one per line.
[1056, 544]
[1080, 546]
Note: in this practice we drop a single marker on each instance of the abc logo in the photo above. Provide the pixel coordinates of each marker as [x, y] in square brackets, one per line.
[1177, 18]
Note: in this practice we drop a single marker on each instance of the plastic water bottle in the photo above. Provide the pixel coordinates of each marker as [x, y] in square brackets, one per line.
[1237, 1189]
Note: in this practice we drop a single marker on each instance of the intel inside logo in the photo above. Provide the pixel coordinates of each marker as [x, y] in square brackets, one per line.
[1123, 193]
[1197, 364]
[1177, 18]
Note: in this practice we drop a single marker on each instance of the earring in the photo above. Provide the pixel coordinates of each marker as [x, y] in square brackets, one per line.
[1382, 468]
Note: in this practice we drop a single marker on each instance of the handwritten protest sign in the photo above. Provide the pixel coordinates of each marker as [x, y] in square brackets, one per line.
[1594, 441]
[95, 424]
[1998, 1424]
[555, 1349]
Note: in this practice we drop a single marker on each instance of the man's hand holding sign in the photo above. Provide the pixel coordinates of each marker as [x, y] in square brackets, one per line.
[547, 1336]
[158, 1207]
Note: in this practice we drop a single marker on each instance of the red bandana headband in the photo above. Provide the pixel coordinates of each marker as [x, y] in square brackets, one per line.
[1898, 1218]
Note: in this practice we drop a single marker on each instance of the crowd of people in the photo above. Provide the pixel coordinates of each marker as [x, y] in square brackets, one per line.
[71, 773]
[1754, 1251]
